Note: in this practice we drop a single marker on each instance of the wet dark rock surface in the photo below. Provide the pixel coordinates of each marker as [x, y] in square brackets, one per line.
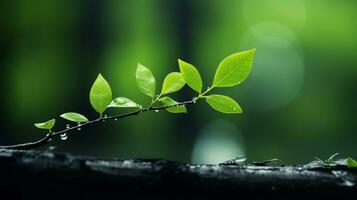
[43, 175]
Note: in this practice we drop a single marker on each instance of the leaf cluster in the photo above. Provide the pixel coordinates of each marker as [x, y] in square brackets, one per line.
[351, 163]
[231, 71]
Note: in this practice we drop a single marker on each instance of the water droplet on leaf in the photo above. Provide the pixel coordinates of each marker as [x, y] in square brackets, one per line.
[156, 110]
[120, 101]
[68, 126]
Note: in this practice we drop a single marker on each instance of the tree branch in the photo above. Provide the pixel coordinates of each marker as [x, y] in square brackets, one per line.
[50, 136]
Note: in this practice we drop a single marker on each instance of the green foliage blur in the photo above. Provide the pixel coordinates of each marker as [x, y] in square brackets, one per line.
[298, 103]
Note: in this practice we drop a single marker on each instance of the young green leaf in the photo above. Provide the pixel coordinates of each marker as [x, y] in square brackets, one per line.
[223, 104]
[167, 101]
[234, 69]
[191, 76]
[331, 158]
[123, 102]
[173, 82]
[100, 94]
[145, 81]
[74, 117]
[351, 163]
[46, 125]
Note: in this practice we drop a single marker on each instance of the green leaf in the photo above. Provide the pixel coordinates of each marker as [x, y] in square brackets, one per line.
[123, 102]
[167, 101]
[46, 125]
[331, 158]
[74, 117]
[173, 82]
[100, 94]
[223, 104]
[145, 81]
[234, 69]
[351, 163]
[191, 76]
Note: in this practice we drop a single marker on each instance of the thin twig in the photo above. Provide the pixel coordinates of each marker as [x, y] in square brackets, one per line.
[50, 136]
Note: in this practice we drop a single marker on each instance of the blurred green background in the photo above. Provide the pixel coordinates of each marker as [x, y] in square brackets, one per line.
[299, 102]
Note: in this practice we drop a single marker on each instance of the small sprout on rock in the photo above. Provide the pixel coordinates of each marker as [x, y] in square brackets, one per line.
[266, 162]
[240, 160]
[329, 163]
[351, 163]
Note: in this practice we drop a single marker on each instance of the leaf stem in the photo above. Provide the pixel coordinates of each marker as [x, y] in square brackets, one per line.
[157, 98]
[45, 140]
[202, 95]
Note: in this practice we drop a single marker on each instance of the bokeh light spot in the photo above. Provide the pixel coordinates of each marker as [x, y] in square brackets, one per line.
[291, 13]
[278, 73]
[218, 141]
